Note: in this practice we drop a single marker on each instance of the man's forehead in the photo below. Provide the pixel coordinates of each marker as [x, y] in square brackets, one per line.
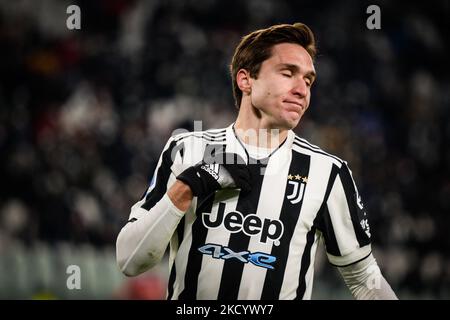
[291, 54]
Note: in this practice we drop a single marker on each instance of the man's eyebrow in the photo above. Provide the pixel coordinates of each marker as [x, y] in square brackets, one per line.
[295, 68]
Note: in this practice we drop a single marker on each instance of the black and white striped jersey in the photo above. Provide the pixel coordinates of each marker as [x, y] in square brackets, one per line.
[259, 245]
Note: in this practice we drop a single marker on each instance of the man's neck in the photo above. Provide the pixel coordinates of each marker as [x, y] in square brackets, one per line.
[252, 130]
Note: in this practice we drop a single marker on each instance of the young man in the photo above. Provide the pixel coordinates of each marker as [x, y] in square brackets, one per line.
[243, 208]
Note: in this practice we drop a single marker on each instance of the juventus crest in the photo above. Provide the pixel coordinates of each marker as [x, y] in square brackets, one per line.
[298, 184]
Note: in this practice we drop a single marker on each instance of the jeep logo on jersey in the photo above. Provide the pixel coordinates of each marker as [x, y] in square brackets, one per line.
[251, 224]
[298, 184]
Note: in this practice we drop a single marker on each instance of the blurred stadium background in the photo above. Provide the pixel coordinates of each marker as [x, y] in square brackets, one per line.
[85, 113]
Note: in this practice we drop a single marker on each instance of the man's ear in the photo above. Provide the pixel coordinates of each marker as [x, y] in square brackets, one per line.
[244, 81]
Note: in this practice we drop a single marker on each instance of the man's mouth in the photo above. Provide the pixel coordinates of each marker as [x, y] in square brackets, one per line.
[294, 106]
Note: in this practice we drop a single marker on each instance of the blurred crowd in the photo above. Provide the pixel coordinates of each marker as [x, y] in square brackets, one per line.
[85, 113]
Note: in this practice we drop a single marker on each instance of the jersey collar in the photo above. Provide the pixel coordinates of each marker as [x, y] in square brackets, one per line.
[235, 145]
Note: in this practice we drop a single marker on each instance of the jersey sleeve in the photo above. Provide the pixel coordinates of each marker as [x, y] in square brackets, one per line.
[153, 220]
[343, 220]
[163, 176]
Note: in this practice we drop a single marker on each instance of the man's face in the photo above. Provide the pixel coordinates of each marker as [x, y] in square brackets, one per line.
[282, 89]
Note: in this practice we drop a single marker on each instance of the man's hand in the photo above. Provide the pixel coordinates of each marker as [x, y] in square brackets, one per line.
[225, 170]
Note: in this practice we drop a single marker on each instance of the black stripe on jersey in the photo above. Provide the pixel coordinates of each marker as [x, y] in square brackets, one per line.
[199, 233]
[210, 133]
[356, 213]
[213, 137]
[329, 234]
[306, 261]
[173, 272]
[163, 175]
[305, 146]
[214, 131]
[218, 134]
[346, 265]
[289, 216]
[180, 230]
[205, 138]
[211, 150]
[182, 152]
[323, 219]
[178, 148]
[232, 268]
[298, 139]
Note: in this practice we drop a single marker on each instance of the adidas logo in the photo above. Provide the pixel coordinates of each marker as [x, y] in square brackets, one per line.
[212, 169]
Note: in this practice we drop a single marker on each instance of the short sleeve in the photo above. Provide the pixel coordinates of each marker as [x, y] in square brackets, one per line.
[344, 221]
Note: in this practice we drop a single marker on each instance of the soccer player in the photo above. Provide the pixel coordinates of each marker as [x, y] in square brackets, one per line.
[243, 208]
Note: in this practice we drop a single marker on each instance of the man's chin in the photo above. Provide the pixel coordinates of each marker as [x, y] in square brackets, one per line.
[293, 122]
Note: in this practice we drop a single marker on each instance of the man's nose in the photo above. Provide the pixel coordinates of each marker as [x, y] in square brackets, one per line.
[300, 89]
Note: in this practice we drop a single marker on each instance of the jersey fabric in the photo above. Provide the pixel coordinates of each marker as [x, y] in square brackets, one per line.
[259, 245]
